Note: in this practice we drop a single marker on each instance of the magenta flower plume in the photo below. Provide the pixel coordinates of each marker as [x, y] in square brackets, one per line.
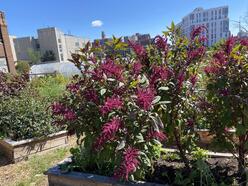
[199, 52]
[159, 135]
[120, 91]
[161, 43]
[145, 98]
[211, 70]
[244, 42]
[91, 95]
[111, 69]
[129, 164]
[193, 79]
[203, 39]
[108, 132]
[96, 74]
[220, 58]
[69, 115]
[73, 87]
[224, 92]
[60, 109]
[137, 67]
[190, 122]
[57, 108]
[180, 79]
[139, 50]
[111, 104]
[159, 73]
[197, 31]
[230, 42]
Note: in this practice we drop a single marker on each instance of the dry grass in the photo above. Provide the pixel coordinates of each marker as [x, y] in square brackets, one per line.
[30, 173]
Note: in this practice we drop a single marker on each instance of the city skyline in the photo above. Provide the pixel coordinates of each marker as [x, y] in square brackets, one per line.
[82, 19]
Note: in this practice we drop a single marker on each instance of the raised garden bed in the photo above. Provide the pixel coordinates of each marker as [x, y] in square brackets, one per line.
[57, 178]
[207, 138]
[220, 164]
[16, 151]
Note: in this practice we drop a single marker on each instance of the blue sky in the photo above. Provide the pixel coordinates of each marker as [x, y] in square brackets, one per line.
[119, 17]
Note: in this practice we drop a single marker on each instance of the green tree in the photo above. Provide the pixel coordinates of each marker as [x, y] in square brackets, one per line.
[22, 67]
[34, 56]
[49, 55]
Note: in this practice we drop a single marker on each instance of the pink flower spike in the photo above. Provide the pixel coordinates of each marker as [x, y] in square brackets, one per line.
[57, 108]
[193, 79]
[69, 115]
[156, 135]
[137, 67]
[145, 98]
[108, 132]
[139, 50]
[111, 104]
[129, 163]
[111, 69]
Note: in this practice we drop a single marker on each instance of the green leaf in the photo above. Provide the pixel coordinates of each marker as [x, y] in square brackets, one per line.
[164, 102]
[121, 145]
[156, 100]
[163, 88]
[240, 130]
[103, 91]
[140, 138]
[110, 79]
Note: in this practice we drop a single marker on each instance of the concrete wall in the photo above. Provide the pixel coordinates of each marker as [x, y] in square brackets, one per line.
[73, 44]
[48, 41]
[12, 38]
[22, 45]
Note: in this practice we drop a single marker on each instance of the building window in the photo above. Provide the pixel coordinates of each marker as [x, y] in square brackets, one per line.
[62, 57]
[77, 44]
[59, 40]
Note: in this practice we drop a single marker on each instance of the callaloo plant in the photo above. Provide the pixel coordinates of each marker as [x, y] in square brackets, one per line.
[226, 102]
[11, 85]
[174, 62]
[109, 107]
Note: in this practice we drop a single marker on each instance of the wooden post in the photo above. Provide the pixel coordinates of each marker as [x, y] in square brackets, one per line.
[5, 48]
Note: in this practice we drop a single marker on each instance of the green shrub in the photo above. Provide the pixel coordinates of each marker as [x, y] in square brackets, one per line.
[22, 67]
[25, 117]
[225, 103]
[50, 87]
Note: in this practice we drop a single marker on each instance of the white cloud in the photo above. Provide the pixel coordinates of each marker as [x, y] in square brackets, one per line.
[96, 23]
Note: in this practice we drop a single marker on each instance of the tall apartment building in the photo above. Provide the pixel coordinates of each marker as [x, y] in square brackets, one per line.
[215, 20]
[49, 39]
[6, 57]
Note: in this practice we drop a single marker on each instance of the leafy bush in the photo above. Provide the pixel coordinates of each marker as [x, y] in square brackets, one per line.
[50, 87]
[24, 113]
[110, 109]
[22, 67]
[11, 85]
[225, 104]
[174, 75]
[25, 116]
[120, 106]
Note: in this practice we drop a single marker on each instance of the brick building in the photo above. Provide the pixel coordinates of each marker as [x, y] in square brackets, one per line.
[6, 57]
